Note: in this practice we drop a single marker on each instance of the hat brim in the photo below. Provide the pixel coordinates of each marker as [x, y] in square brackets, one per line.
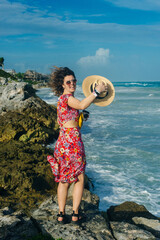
[104, 98]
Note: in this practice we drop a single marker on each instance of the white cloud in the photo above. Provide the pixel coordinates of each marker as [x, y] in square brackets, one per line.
[100, 58]
[138, 4]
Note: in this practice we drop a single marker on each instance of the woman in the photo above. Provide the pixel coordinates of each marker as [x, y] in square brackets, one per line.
[68, 164]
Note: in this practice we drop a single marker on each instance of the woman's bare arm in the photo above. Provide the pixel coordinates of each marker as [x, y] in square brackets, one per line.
[81, 105]
[86, 102]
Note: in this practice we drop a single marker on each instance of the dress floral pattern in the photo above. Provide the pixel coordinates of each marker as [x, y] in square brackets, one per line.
[69, 159]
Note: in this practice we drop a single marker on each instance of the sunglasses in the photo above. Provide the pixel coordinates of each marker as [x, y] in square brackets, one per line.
[69, 82]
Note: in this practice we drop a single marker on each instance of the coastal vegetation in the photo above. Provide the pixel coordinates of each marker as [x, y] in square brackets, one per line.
[1, 62]
[20, 75]
[4, 74]
[24, 77]
[30, 76]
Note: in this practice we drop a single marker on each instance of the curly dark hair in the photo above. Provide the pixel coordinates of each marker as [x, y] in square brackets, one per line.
[57, 77]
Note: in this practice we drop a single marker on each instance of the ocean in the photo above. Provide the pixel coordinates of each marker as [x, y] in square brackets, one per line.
[122, 145]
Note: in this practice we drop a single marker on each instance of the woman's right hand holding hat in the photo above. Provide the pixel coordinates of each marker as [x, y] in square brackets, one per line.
[101, 87]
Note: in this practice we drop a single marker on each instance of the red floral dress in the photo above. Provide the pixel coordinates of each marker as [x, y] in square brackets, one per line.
[69, 159]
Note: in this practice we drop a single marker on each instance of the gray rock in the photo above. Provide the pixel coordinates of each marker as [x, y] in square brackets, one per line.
[127, 210]
[93, 225]
[15, 225]
[134, 215]
[151, 225]
[154, 224]
[14, 95]
[17, 91]
[127, 231]
[3, 81]
[40, 85]
[1, 90]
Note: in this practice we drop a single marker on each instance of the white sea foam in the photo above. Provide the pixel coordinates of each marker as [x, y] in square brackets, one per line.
[151, 179]
[51, 101]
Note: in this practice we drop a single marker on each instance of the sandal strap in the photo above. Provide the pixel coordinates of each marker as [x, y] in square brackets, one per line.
[60, 214]
[75, 214]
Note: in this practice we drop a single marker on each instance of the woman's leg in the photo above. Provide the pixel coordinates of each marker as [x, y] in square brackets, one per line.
[77, 194]
[62, 192]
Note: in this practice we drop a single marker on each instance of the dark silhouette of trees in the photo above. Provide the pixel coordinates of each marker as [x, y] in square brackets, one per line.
[2, 62]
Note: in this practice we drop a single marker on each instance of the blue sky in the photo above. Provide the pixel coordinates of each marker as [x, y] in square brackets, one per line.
[118, 39]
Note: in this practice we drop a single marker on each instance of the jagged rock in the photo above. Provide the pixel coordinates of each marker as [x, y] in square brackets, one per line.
[154, 224]
[127, 231]
[130, 220]
[3, 81]
[28, 128]
[151, 225]
[26, 178]
[15, 225]
[1, 90]
[25, 117]
[127, 210]
[92, 227]
[15, 94]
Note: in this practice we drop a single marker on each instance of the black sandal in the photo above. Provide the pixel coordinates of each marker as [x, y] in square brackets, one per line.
[77, 222]
[62, 216]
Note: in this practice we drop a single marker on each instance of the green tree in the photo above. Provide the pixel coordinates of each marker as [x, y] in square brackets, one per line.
[2, 62]
[20, 75]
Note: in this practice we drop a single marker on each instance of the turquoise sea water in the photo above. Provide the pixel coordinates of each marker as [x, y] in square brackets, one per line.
[122, 144]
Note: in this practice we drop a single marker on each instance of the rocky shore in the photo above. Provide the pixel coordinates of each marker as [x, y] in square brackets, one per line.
[27, 124]
[128, 221]
[27, 189]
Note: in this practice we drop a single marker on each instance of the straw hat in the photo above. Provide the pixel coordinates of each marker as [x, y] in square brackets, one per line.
[105, 98]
